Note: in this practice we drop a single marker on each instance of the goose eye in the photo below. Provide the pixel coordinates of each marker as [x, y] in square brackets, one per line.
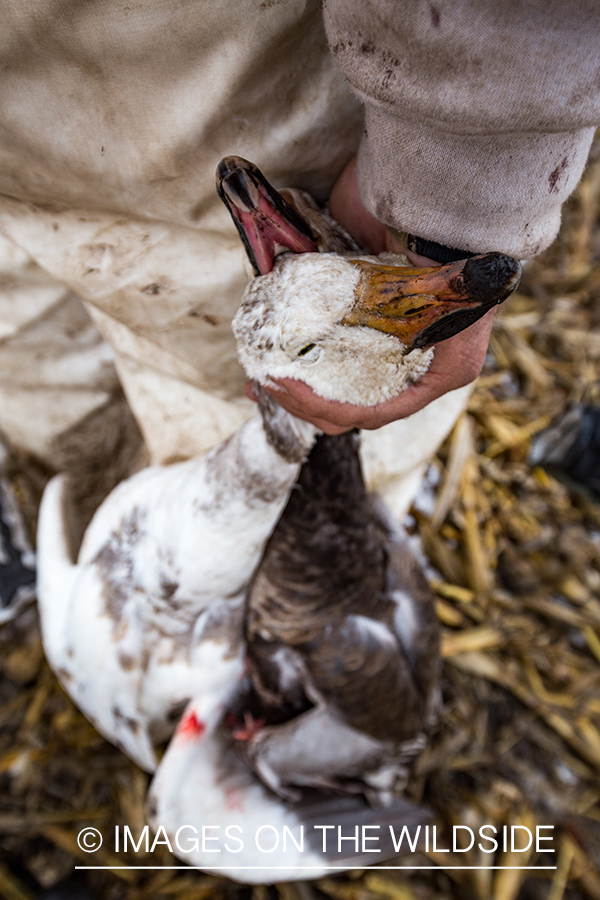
[306, 350]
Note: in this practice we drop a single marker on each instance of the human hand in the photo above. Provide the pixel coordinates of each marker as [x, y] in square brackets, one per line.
[457, 361]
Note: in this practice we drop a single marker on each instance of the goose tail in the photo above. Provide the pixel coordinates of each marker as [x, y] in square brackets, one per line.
[56, 569]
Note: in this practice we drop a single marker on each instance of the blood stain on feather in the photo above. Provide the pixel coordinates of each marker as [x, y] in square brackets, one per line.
[191, 726]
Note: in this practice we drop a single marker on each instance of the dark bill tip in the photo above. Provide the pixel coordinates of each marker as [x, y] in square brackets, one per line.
[491, 278]
[488, 281]
[237, 184]
[231, 164]
[239, 178]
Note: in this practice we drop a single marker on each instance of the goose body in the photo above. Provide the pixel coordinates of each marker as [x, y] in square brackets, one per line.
[161, 572]
[342, 636]
[260, 838]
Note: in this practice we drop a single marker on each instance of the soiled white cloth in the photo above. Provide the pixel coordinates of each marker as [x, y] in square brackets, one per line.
[113, 117]
[479, 114]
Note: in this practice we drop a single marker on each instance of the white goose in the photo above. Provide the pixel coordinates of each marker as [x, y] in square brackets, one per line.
[220, 818]
[151, 613]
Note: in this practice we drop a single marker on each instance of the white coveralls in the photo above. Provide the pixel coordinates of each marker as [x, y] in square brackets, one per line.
[114, 114]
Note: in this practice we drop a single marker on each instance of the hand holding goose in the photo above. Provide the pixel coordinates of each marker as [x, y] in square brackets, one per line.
[428, 306]
[457, 361]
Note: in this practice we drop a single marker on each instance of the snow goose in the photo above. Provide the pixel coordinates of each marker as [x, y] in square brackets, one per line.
[151, 614]
[219, 817]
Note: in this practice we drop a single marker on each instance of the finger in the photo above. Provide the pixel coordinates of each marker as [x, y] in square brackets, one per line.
[456, 362]
[464, 354]
[300, 399]
[322, 424]
[306, 410]
[393, 245]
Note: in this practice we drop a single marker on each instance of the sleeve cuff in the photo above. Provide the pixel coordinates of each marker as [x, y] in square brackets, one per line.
[499, 192]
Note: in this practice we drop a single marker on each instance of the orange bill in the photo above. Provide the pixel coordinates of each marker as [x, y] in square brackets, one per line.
[425, 306]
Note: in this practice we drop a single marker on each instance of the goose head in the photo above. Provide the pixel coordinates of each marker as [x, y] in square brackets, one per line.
[354, 327]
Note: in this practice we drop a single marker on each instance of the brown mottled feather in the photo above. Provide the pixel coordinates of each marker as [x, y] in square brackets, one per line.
[331, 559]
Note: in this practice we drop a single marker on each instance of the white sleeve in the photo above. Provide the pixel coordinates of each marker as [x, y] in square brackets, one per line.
[479, 114]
